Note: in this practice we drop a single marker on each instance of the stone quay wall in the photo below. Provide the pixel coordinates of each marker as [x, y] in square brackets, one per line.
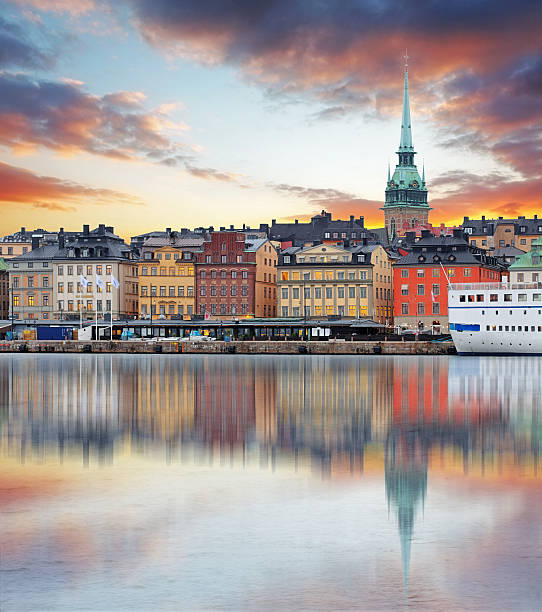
[237, 347]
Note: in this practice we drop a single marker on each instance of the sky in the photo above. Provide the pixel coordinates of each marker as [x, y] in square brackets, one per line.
[146, 114]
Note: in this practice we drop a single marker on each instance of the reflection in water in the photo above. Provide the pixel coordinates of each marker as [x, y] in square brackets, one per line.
[335, 415]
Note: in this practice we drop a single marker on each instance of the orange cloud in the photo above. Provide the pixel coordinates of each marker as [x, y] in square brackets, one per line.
[21, 187]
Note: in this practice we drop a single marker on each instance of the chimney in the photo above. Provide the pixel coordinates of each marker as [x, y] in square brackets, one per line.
[273, 221]
[426, 233]
[23, 230]
[35, 242]
[410, 237]
[296, 221]
[86, 230]
[458, 233]
[483, 217]
[61, 238]
[231, 227]
[168, 231]
[364, 241]
[101, 229]
[465, 219]
[500, 218]
[351, 218]
[536, 217]
[244, 227]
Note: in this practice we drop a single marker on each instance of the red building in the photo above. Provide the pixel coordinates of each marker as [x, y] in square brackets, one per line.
[236, 277]
[421, 277]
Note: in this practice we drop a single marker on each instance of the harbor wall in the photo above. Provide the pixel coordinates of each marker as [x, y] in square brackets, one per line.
[237, 347]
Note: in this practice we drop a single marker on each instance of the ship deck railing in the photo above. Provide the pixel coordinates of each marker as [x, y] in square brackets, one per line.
[493, 286]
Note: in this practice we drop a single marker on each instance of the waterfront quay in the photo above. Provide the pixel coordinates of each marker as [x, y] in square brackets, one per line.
[330, 347]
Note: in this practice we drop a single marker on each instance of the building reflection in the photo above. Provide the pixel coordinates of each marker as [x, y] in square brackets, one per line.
[403, 415]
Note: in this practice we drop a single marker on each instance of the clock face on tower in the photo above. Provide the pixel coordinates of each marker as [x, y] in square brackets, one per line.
[415, 184]
[392, 183]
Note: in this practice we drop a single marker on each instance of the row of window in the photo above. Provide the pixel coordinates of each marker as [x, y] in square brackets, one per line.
[88, 270]
[233, 309]
[334, 259]
[72, 305]
[420, 290]
[171, 271]
[324, 275]
[9, 250]
[165, 291]
[170, 308]
[494, 297]
[89, 288]
[318, 292]
[224, 274]
[186, 255]
[31, 300]
[521, 277]
[318, 311]
[420, 308]
[31, 281]
[223, 259]
[524, 328]
[224, 290]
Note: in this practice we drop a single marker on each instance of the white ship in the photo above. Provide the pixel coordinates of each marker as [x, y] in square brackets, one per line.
[496, 318]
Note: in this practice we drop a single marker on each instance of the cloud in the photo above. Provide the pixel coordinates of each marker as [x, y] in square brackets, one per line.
[340, 203]
[16, 50]
[476, 68]
[21, 187]
[73, 7]
[210, 174]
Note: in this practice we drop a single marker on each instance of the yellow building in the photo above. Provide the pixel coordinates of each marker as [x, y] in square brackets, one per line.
[329, 280]
[167, 281]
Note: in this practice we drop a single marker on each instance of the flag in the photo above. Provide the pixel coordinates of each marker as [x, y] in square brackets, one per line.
[114, 281]
[84, 282]
[99, 283]
[433, 298]
[207, 315]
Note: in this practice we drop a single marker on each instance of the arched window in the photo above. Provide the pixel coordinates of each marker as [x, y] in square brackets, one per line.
[392, 226]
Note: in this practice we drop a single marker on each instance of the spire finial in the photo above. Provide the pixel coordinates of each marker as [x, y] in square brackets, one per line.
[406, 130]
[405, 57]
[389, 176]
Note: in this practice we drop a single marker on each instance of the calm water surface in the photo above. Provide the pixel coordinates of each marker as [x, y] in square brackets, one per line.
[229, 482]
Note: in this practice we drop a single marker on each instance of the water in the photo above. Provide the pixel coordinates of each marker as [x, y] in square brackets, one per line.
[227, 482]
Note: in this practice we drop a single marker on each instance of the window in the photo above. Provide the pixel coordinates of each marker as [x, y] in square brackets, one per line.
[404, 308]
[466, 271]
[144, 289]
[45, 300]
[522, 297]
[351, 292]
[285, 311]
[60, 287]
[404, 289]
[202, 274]
[244, 274]
[479, 297]
[30, 281]
[207, 259]
[436, 289]
[340, 292]
[223, 290]
[153, 271]
[233, 290]
[233, 274]
[435, 272]
[203, 290]
[31, 300]
[222, 273]
[329, 293]
[436, 308]
[493, 297]
[180, 291]
[244, 290]
[295, 293]
[421, 308]
[520, 277]
[507, 297]
[171, 291]
[286, 259]
[363, 292]
[318, 293]
[284, 293]
[421, 290]
[421, 273]
[144, 271]
[223, 259]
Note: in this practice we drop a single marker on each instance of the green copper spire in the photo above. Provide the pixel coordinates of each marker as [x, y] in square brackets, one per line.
[406, 128]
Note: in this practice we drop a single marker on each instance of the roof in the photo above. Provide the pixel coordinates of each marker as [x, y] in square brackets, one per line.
[47, 251]
[173, 240]
[3, 265]
[254, 245]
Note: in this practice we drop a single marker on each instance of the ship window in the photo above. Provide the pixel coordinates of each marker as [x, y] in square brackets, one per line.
[540, 328]
[487, 327]
[519, 327]
[510, 312]
[483, 312]
[536, 297]
[461, 298]
[524, 312]
[471, 298]
[513, 328]
[494, 328]
[506, 328]
[493, 297]
[532, 328]
[480, 297]
[522, 297]
[507, 297]
[500, 327]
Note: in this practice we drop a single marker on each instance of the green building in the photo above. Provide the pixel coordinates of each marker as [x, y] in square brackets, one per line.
[528, 267]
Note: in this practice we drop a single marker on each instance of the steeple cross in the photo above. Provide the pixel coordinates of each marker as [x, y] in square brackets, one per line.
[405, 57]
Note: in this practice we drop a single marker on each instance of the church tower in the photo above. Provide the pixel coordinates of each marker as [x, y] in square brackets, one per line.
[406, 194]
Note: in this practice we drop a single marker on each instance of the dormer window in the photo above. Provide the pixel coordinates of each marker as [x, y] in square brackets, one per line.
[327, 235]
[522, 229]
[301, 260]
[286, 259]
[468, 230]
[361, 258]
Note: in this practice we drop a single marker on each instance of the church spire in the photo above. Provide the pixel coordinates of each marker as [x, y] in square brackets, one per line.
[406, 128]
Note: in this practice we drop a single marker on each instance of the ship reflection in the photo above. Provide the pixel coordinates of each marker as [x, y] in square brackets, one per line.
[331, 415]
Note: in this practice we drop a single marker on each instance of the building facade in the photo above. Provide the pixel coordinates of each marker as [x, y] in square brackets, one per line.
[528, 267]
[4, 290]
[236, 277]
[422, 276]
[329, 280]
[31, 279]
[501, 233]
[167, 281]
[406, 193]
[101, 258]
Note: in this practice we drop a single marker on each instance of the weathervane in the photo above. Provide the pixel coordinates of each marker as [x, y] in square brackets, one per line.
[405, 56]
